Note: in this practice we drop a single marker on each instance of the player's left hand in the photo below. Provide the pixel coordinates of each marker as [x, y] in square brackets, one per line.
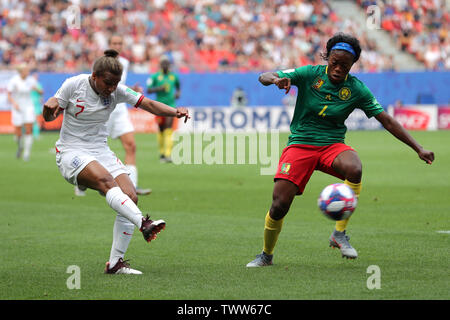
[183, 112]
[426, 155]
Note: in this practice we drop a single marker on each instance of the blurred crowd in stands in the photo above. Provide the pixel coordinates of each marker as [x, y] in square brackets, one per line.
[420, 27]
[208, 35]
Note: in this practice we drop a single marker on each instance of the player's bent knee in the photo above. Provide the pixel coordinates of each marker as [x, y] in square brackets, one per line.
[279, 208]
[283, 194]
[104, 183]
[354, 173]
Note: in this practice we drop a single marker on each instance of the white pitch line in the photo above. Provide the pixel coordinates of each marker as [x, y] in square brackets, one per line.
[443, 231]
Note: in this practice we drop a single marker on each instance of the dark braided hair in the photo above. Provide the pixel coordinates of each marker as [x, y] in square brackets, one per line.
[342, 37]
[108, 63]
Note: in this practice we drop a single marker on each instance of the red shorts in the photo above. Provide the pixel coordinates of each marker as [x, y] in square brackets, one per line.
[298, 162]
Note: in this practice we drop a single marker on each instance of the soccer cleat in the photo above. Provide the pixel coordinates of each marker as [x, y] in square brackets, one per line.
[340, 240]
[150, 228]
[261, 260]
[164, 159]
[121, 267]
[142, 191]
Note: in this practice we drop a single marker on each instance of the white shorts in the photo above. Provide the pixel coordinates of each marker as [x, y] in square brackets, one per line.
[71, 162]
[119, 122]
[22, 116]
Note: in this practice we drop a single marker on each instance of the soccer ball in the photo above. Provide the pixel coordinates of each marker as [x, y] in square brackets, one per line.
[337, 201]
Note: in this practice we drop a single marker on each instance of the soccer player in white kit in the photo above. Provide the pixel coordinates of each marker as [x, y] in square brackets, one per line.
[23, 115]
[84, 158]
[119, 125]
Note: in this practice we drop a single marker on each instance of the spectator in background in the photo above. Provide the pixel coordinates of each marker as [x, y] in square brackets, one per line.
[239, 98]
[398, 104]
[420, 28]
[211, 36]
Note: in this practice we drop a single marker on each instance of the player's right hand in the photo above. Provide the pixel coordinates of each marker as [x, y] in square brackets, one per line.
[426, 155]
[283, 83]
[183, 112]
[51, 109]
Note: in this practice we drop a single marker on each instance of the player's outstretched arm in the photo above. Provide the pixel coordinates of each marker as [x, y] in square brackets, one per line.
[397, 130]
[269, 78]
[161, 109]
[51, 109]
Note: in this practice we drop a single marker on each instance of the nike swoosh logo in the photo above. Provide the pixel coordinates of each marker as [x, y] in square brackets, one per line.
[79, 100]
[127, 234]
[124, 201]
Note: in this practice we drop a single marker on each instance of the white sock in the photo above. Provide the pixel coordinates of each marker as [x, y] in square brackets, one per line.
[124, 206]
[122, 233]
[133, 173]
[27, 143]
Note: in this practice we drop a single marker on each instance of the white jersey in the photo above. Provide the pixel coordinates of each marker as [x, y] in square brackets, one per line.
[86, 113]
[20, 90]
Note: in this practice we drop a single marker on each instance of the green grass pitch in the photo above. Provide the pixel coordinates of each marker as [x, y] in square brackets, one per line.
[215, 218]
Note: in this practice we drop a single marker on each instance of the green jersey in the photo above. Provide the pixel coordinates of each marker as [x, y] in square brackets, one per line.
[171, 83]
[36, 98]
[322, 107]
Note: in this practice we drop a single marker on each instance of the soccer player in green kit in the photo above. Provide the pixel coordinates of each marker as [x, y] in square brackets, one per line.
[327, 94]
[166, 85]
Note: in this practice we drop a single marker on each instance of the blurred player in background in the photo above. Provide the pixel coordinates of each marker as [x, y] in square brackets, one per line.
[119, 124]
[166, 85]
[84, 157]
[23, 115]
[327, 94]
[238, 98]
[36, 96]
